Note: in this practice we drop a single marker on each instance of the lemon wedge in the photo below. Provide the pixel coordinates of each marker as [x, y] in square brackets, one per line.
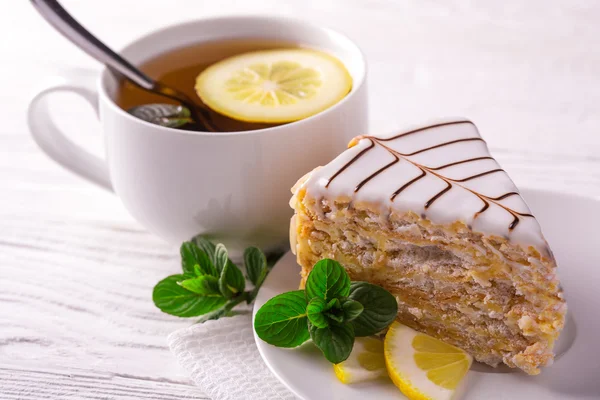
[423, 368]
[274, 86]
[365, 363]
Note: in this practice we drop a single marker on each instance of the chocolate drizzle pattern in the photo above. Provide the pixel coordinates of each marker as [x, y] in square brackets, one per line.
[434, 171]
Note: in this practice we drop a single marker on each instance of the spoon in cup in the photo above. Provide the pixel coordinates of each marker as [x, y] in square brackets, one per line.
[163, 114]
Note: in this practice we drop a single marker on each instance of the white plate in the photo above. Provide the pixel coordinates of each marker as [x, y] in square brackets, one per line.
[571, 227]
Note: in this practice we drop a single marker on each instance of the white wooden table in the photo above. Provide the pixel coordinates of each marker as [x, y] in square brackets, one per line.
[76, 272]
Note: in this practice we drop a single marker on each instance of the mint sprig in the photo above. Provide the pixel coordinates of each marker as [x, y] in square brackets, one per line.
[210, 285]
[331, 311]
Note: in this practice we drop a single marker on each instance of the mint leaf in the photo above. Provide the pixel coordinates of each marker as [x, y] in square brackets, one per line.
[327, 280]
[256, 265]
[380, 308]
[282, 321]
[351, 309]
[334, 312]
[168, 115]
[336, 318]
[215, 314]
[231, 281]
[225, 310]
[334, 303]
[172, 298]
[335, 341]
[315, 309]
[194, 261]
[206, 285]
[221, 257]
[206, 246]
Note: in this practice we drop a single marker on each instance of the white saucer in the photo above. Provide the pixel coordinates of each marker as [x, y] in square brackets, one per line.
[571, 225]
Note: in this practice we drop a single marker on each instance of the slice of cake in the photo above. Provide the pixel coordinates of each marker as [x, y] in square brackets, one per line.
[429, 215]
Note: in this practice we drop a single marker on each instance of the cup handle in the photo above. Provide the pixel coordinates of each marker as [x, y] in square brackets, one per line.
[54, 142]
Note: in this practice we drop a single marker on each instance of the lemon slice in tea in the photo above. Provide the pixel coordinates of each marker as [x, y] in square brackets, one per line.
[274, 86]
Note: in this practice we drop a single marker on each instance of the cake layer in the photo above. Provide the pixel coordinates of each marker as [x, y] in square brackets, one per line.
[495, 299]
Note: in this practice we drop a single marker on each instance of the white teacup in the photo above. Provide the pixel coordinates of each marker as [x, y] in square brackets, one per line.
[233, 187]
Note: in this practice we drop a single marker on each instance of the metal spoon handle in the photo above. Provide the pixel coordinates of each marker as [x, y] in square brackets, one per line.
[58, 17]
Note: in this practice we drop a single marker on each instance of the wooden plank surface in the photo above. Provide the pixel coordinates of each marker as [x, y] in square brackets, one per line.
[76, 272]
[19, 383]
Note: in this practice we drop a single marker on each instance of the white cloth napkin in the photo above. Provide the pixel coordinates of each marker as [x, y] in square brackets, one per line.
[224, 362]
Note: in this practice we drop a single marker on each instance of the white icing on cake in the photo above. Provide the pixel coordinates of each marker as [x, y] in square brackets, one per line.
[377, 167]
